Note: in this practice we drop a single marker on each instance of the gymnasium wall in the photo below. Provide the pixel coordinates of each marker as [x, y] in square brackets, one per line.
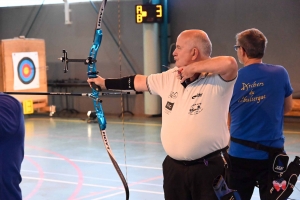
[277, 19]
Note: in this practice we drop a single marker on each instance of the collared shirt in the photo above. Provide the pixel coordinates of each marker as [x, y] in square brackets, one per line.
[194, 119]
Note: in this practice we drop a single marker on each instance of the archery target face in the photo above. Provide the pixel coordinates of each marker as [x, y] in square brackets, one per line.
[26, 70]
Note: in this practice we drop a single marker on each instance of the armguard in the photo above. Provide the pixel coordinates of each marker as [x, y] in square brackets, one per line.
[125, 83]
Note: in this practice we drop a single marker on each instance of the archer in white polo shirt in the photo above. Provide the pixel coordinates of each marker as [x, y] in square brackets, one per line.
[195, 101]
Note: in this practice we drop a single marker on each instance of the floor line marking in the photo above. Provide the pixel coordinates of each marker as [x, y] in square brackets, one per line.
[66, 159]
[41, 177]
[95, 162]
[143, 191]
[98, 139]
[69, 182]
[110, 195]
[88, 177]
[135, 123]
[108, 121]
[90, 185]
[132, 184]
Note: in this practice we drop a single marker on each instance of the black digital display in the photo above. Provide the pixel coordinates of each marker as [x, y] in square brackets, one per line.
[148, 13]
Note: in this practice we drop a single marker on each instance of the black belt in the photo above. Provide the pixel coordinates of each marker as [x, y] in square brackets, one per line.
[257, 146]
[201, 160]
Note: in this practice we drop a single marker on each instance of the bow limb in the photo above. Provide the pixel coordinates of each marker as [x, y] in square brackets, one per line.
[92, 73]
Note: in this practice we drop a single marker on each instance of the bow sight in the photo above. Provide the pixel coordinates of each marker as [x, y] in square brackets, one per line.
[66, 60]
[89, 61]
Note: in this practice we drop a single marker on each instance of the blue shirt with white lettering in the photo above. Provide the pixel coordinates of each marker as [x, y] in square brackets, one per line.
[256, 108]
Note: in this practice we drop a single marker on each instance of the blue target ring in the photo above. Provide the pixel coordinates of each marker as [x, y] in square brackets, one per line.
[26, 70]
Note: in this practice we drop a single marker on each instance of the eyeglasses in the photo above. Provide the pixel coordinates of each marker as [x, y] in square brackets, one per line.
[236, 47]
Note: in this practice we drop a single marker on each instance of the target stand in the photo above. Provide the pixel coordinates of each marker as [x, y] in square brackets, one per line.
[23, 69]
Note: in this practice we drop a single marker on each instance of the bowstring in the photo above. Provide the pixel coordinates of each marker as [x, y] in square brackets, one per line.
[121, 99]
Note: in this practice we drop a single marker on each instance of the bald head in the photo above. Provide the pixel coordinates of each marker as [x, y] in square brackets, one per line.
[198, 39]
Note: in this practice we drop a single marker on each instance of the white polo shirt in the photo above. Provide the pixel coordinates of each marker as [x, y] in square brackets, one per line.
[194, 119]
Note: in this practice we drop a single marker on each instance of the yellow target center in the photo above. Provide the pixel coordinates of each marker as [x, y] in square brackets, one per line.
[26, 71]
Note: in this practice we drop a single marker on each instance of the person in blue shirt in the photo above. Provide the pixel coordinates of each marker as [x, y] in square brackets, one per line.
[262, 95]
[12, 134]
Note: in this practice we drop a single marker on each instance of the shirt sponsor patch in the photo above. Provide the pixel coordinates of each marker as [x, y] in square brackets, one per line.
[195, 109]
[169, 107]
[197, 95]
[173, 95]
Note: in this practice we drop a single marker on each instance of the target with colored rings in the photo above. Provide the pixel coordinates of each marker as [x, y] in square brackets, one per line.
[26, 70]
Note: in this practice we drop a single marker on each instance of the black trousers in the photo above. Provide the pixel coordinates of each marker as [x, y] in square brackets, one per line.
[245, 174]
[192, 182]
